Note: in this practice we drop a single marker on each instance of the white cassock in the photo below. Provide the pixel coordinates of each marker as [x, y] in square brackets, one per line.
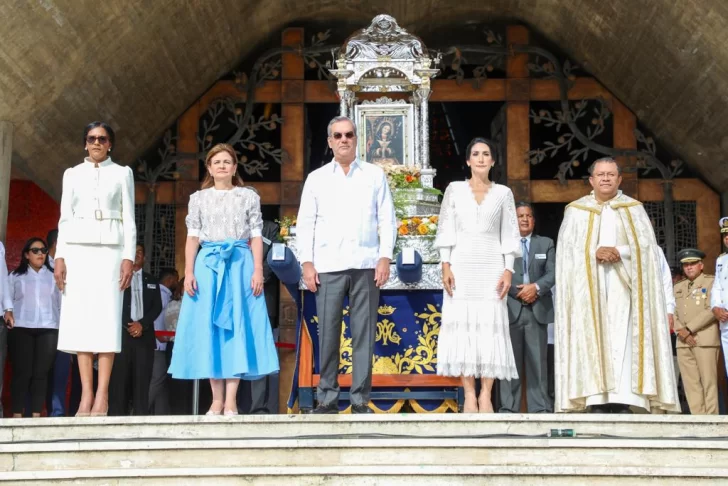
[612, 342]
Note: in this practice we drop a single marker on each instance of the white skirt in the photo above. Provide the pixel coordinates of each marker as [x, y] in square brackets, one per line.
[91, 303]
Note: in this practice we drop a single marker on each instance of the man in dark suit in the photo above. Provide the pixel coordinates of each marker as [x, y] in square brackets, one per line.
[263, 392]
[530, 309]
[133, 366]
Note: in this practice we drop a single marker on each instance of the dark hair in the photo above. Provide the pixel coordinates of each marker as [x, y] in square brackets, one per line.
[144, 250]
[24, 263]
[52, 237]
[167, 272]
[608, 160]
[524, 204]
[97, 124]
[491, 145]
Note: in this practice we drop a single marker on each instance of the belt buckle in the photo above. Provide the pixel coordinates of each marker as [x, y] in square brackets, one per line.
[98, 215]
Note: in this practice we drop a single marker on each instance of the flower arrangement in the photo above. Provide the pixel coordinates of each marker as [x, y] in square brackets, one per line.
[418, 226]
[286, 223]
[402, 176]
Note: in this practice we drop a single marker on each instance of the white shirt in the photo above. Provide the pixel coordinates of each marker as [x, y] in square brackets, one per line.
[171, 315]
[5, 297]
[36, 299]
[666, 281]
[216, 215]
[719, 293]
[346, 221]
[159, 321]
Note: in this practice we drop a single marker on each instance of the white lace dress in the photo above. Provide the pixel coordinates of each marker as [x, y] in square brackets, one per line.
[480, 241]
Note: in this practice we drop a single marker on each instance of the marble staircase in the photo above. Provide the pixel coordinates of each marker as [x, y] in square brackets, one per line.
[366, 450]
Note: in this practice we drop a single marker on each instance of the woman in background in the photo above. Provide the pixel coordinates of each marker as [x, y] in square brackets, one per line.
[33, 320]
[223, 332]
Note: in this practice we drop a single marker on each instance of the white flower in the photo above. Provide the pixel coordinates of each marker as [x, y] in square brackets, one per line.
[432, 226]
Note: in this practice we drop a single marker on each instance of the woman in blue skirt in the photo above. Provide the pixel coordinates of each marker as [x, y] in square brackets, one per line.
[223, 332]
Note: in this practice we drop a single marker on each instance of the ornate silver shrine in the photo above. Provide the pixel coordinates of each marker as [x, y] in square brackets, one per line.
[385, 58]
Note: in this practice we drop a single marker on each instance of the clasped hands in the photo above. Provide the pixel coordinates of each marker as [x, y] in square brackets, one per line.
[608, 254]
[528, 293]
[685, 336]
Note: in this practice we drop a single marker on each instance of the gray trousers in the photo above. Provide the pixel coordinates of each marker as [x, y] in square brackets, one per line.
[363, 295]
[3, 355]
[529, 340]
[159, 386]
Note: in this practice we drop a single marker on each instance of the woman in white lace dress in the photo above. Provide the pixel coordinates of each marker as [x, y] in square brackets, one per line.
[478, 238]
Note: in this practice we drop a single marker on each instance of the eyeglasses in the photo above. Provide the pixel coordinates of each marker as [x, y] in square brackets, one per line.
[103, 140]
[35, 251]
[338, 135]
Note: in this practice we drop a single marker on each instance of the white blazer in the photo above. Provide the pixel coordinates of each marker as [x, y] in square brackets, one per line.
[97, 207]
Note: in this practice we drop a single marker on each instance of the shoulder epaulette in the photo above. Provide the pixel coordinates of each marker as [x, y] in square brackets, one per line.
[680, 281]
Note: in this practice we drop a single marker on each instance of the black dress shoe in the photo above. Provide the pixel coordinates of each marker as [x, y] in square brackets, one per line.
[620, 408]
[362, 408]
[324, 408]
[600, 409]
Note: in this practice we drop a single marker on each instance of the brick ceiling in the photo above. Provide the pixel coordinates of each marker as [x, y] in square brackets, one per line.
[138, 64]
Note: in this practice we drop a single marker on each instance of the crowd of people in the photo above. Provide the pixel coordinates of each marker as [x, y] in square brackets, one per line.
[81, 308]
[606, 288]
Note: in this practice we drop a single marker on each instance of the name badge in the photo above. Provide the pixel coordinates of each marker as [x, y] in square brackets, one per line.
[278, 252]
[151, 286]
[408, 256]
[266, 240]
[540, 256]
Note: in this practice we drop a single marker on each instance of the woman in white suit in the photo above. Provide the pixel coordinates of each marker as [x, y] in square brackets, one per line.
[93, 263]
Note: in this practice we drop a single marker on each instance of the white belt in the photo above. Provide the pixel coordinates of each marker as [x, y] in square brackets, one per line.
[99, 214]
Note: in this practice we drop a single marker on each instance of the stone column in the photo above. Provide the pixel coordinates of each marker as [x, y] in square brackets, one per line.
[6, 153]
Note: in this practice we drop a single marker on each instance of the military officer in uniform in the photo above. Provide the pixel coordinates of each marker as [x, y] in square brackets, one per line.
[698, 338]
[719, 294]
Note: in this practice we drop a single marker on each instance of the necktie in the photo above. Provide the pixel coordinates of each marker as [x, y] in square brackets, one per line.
[137, 306]
[524, 245]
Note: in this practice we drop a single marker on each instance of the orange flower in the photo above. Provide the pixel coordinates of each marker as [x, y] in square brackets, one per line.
[423, 229]
[284, 230]
[433, 219]
[409, 178]
[403, 231]
[416, 221]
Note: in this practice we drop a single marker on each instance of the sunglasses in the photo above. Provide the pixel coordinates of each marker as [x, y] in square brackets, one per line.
[35, 251]
[103, 140]
[338, 135]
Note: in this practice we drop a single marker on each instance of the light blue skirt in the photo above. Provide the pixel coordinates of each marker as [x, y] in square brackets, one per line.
[224, 330]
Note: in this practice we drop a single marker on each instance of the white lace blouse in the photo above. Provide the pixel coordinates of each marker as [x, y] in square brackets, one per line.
[216, 215]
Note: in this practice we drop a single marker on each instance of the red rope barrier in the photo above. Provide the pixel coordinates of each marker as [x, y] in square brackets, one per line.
[172, 333]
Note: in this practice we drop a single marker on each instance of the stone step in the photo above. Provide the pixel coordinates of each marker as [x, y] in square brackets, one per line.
[397, 425]
[382, 475]
[524, 452]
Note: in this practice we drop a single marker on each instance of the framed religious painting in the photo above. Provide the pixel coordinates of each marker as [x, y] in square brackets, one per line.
[386, 132]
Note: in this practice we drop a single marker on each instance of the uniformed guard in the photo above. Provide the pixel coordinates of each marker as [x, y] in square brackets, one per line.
[719, 294]
[698, 338]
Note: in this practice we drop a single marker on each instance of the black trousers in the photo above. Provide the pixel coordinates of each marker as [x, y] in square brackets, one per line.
[180, 391]
[132, 374]
[32, 353]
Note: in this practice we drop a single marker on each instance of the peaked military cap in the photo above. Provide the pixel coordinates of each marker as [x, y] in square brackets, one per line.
[690, 255]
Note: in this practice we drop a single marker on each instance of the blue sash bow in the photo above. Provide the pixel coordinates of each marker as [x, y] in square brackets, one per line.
[218, 259]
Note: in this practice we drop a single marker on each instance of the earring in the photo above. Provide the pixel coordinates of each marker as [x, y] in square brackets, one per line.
[109, 149]
[86, 149]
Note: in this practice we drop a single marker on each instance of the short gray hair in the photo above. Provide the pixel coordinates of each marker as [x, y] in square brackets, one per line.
[524, 204]
[338, 119]
[604, 160]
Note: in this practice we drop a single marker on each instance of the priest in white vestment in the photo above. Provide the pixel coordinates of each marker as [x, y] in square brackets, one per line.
[612, 337]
